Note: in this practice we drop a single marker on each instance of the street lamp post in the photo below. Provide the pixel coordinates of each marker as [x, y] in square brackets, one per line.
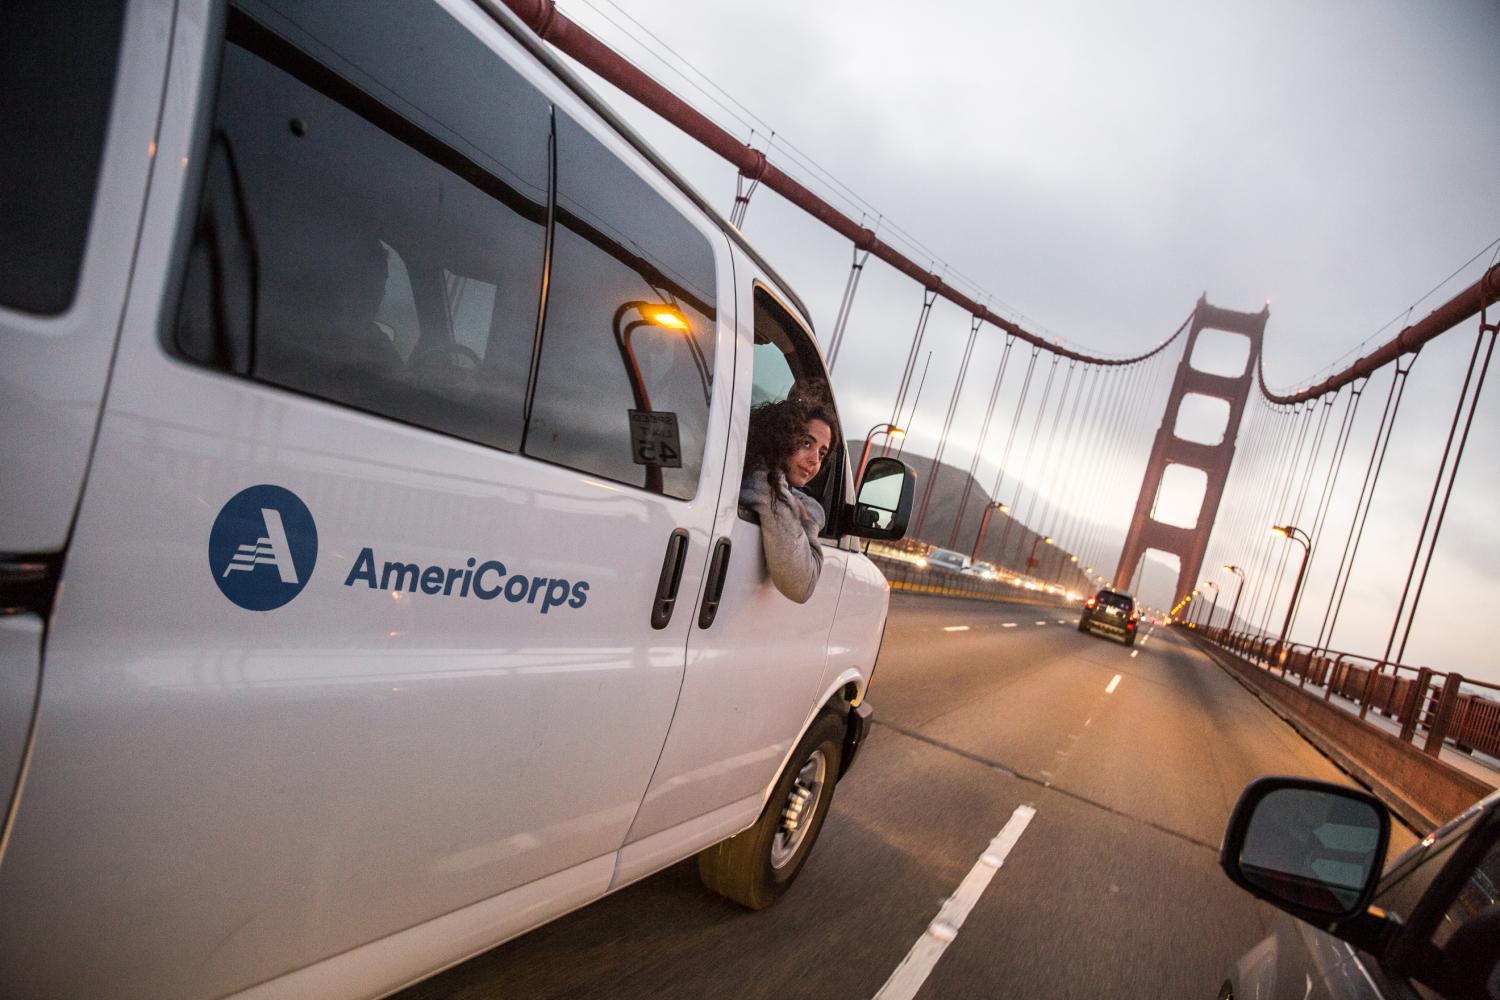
[1239, 587]
[1031, 560]
[1214, 605]
[660, 317]
[984, 521]
[890, 430]
[1305, 540]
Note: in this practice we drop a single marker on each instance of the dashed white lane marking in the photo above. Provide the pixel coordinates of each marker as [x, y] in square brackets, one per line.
[1134, 653]
[1041, 623]
[923, 957]
[955, 628]
[1007, 624]
[1062, 621]
[1110, 689]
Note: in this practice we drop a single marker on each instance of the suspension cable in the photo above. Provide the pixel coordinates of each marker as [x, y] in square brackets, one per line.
[1484, 328]
[984, 432]
[1325, 501]
[1030, 447]
[1367, 496]
[942, 445]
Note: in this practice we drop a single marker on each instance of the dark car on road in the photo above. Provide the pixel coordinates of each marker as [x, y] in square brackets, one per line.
[1112, 613]
[1429, 927]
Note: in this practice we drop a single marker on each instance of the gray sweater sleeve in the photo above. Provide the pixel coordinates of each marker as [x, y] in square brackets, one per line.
[789, 525]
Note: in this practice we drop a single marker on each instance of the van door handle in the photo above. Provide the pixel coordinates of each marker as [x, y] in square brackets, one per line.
[670, 580]
[718, 569]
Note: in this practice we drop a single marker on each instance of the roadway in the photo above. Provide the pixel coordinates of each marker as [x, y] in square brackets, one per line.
[1112, 888]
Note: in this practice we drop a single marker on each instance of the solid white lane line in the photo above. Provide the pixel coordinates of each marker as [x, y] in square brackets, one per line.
[1008, 625]
[955, 628]
[923, 957]
[1113, 684]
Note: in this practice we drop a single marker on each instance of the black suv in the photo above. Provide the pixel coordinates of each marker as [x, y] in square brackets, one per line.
[1111, 612]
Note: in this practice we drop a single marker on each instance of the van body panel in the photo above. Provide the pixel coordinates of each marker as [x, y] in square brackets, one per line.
[220, 796]
[20, 673]
[53, 369]
[649, 855]
[854, 642]
[385, 966]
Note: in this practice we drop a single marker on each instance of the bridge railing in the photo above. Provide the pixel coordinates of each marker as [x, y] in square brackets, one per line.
[1442, 707]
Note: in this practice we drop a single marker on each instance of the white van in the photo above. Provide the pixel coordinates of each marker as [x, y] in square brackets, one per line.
[374, 585]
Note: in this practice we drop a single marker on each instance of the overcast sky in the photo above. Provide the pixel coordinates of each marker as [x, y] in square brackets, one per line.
[1096, 167]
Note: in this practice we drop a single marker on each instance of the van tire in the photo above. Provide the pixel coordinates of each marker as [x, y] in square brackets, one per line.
[755, 867]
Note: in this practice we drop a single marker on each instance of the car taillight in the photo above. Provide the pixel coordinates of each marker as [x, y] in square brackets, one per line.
[1130, 625]
[1089, 603]
[1135, 616]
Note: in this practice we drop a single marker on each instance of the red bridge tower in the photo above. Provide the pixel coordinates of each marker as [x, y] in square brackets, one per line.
[1189, 544]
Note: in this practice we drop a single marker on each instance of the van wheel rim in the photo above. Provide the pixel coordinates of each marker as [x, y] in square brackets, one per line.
[798, 810]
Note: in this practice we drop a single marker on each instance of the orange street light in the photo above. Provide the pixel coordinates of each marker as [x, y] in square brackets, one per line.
[889, 430]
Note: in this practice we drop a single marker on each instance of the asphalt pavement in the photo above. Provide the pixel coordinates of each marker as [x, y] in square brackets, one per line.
[1117, 766]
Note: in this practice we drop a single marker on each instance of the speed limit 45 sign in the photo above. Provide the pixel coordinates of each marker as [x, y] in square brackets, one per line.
[654, 440]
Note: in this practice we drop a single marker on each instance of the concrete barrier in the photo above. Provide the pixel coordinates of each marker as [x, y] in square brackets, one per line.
[1422, 790]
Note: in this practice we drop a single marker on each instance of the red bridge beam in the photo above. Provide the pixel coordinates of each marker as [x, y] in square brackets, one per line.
[1445, 317]
[543, 17]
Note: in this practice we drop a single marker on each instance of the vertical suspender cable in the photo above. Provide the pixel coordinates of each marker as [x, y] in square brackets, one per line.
[1325, 502]
[1030, 447]
[1366, 498]
[1062, 506]
[1302, 494]
[1015, 423]
[1074, 483]
[1278, 553]
[984, 432]
[914, 404]
[942, 445]
[1263, 548]
[928, 296]
[846, 305]
[1108, 451]
[1448, 491]
[1045, 459]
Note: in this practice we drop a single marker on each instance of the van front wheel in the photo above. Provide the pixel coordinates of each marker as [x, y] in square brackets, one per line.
[755, 867]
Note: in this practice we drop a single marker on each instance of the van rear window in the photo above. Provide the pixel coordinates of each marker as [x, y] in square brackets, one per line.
[57, 73]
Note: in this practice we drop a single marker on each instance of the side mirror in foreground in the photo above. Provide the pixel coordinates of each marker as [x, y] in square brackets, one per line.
[1311, 848]
[882, 506]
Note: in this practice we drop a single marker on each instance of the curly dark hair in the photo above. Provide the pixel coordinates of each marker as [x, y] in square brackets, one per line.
[776, 428]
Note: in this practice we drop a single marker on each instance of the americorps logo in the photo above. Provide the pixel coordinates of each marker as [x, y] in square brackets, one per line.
[263, 547]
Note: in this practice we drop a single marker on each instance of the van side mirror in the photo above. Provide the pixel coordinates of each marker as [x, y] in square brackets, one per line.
[1312, 849]
[883, 502]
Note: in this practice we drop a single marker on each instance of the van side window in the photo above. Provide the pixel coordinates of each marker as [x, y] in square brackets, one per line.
[57, 72]
[627, 357]
[784, 357]
[373, 222]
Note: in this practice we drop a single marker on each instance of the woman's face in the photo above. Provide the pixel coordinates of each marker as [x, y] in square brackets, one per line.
[807, 457]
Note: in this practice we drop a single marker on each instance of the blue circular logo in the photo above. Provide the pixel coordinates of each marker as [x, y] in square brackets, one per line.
[263, 547]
